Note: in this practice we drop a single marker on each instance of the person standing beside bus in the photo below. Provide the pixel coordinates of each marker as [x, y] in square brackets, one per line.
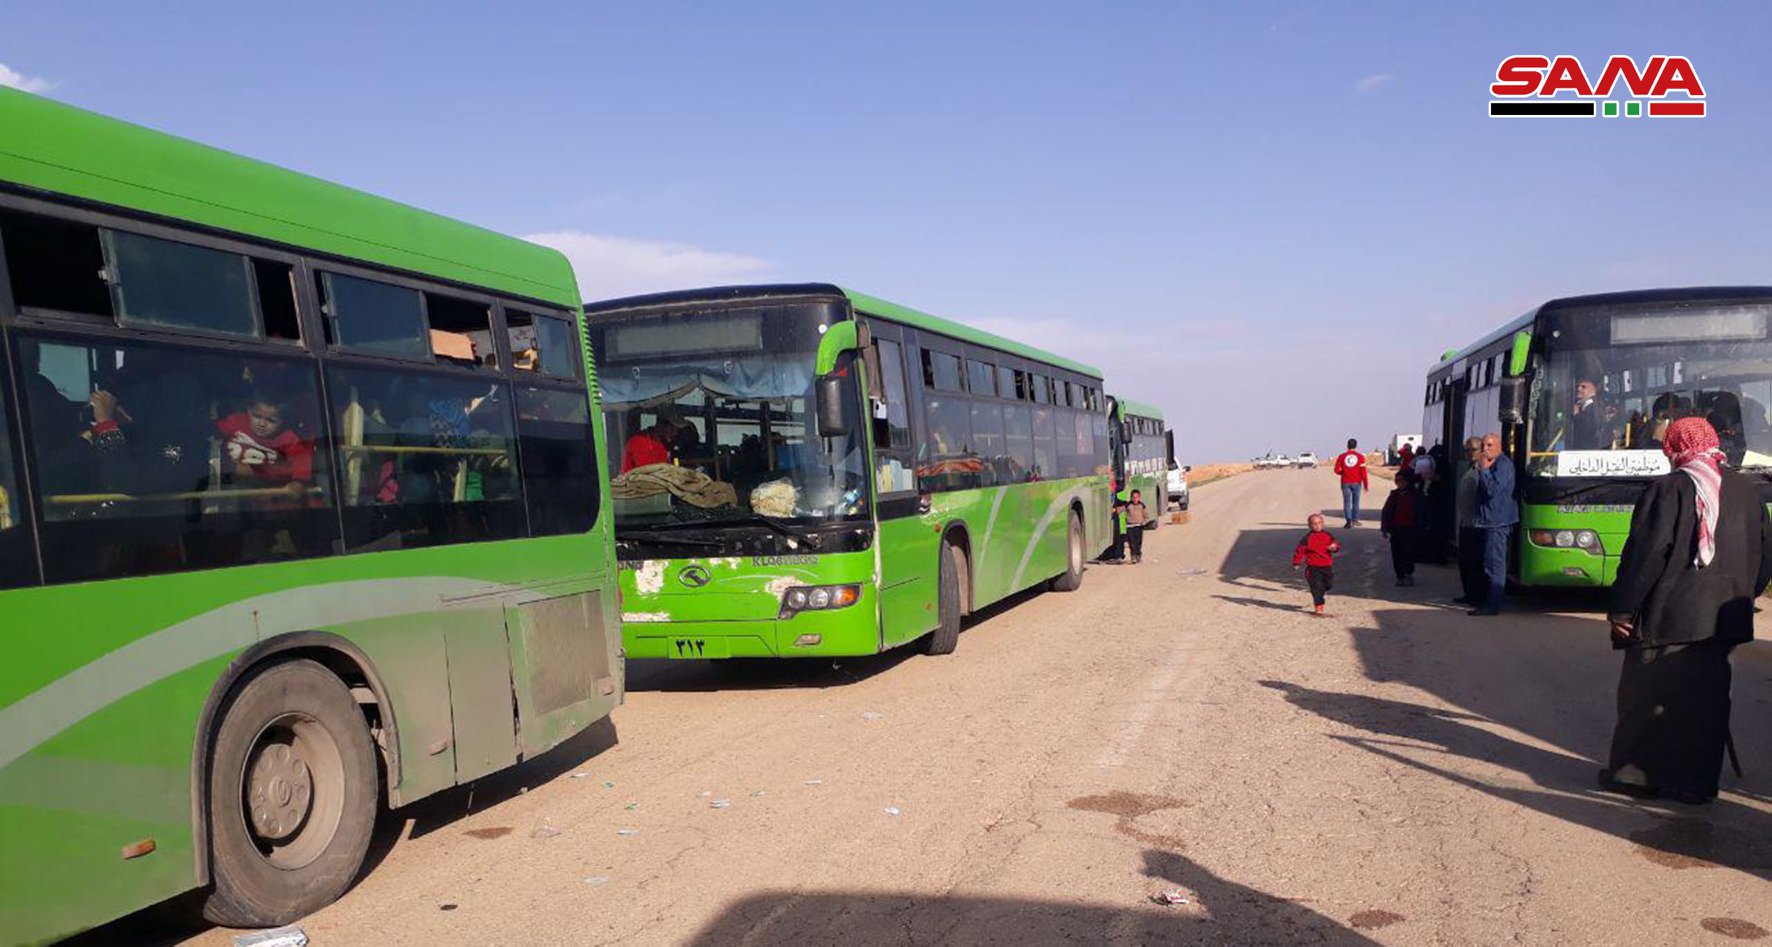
[1699, 552]
[1497, 514]
[1470, 538]
[1351, 468]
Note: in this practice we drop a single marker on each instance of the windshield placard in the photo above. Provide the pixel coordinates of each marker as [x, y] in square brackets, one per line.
[652, 338]
[1734, 323]
[1612, 463]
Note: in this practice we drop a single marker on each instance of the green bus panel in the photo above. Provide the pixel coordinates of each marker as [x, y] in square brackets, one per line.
[101, 699]
[1571, 568]
[1016, 536]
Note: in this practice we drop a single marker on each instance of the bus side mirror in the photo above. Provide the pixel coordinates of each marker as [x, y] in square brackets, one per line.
[829, 395]
[1513, 400]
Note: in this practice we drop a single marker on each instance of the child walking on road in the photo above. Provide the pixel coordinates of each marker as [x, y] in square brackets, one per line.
[1137, 516]
[1401, 523]
[1316, 553]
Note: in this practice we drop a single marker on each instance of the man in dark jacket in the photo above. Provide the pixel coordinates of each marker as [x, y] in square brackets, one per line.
[1497, 514]
[1699, 552]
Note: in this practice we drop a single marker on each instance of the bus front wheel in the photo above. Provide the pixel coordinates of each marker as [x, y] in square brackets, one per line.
[946, 636]
[1072, 578]
[292, 797]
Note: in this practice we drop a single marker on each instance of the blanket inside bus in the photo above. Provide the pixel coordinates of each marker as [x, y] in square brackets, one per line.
[690, 486]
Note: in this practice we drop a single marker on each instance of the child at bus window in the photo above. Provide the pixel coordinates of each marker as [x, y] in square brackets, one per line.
[262, 451]
[1316, 553]
[1401, 522]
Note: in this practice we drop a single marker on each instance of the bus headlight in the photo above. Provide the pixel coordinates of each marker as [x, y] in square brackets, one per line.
[818, 598]
[1585, 540]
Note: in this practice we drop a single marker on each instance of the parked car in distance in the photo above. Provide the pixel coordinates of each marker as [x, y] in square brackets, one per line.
[1307, 460]
[1282, 461]
[1178, 485]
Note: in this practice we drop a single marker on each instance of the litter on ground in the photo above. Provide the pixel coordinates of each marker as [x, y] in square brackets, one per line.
[544, 831]
[1171, 897]
[627, 831]
[892, 810]
[871, 715]
[597, 880]
[720, 804]
[290, 936]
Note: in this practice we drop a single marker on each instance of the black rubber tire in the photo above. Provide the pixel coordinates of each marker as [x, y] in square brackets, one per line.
[1184, 504]
[946, 636]
[1162, 507]
[1071, 579]
[299, 706]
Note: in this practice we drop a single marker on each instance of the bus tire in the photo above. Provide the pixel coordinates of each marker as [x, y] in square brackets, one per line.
[1072, 578]
[293, 792]
[946, 636]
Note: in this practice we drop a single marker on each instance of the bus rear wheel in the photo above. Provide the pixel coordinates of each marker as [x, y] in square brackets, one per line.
[1072, 578]
[946, 636]
[292, 797]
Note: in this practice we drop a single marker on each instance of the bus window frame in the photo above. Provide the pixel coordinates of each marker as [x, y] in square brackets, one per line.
[37, 317]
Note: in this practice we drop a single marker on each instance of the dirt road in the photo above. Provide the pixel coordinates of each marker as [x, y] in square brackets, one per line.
[1395, 773]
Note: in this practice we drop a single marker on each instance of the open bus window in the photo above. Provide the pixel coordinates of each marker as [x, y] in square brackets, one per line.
[148, 459]
[55, 265]
[542, 344]
[461, 331]
[1018, 441]
[426, 460]
[893, 452]
[164, 283]
[374, 318]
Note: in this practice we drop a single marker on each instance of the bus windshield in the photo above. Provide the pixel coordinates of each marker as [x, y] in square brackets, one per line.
[710, 417]
[1614, 378]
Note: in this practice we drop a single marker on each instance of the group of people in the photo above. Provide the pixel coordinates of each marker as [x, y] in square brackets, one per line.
[1698, 555]
[1596, 423]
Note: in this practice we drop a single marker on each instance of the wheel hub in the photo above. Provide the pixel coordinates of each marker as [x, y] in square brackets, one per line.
[280, 792]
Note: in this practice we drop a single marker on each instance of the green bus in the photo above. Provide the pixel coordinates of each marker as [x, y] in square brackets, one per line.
[1582, 388]
[1144, 452]
[300, 514]
[803, 470]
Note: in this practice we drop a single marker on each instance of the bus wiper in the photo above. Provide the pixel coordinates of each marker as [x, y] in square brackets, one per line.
[810, 539]
[661, 537]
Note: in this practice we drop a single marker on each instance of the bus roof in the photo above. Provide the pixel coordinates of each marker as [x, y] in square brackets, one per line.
[872, 305]
[56, 148]
[1139, 408]
[1634, 297]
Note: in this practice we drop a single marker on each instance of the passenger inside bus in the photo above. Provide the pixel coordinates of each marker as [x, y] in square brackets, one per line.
[263, 451]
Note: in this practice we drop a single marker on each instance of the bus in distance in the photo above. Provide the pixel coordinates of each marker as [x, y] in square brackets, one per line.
[1145, 449]
[803, 470]
[1581, 390]
[300, 515]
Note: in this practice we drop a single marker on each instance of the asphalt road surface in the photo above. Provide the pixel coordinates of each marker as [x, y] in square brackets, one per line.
[1393, 773]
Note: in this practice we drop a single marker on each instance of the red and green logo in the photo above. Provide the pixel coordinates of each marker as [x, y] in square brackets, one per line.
[1547, 87]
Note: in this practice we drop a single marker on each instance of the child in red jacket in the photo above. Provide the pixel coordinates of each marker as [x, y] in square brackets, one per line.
[262, 452]
[1316, 552]
[1401, 523]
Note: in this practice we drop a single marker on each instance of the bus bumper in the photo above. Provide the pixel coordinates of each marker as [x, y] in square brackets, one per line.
[845, 632]
[1567, 568]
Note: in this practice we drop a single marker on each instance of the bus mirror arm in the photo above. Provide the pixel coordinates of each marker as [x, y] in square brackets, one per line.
[1513, 400]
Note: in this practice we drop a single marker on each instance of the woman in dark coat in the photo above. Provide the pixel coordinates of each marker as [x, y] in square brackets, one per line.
[1700, 551]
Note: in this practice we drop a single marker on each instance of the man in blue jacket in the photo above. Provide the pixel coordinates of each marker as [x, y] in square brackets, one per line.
[1497, 514]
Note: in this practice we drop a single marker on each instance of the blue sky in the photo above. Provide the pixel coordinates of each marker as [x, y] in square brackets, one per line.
[1267, 218]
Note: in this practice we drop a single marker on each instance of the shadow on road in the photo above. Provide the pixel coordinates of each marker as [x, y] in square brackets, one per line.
[1219, 911]
[1551, 678]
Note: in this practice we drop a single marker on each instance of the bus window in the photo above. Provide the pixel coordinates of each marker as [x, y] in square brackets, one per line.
[1045, 444]
[947, 461]
[157, 282]
[375, 318]
[427, 460]
[1018, 441]
[559, 460]
[543, 344]
[941, 371]
[16, 564]
[55, 265]
[987, 440]
[461, 331]
[149, 460]
[892, 473]
[981, 378]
